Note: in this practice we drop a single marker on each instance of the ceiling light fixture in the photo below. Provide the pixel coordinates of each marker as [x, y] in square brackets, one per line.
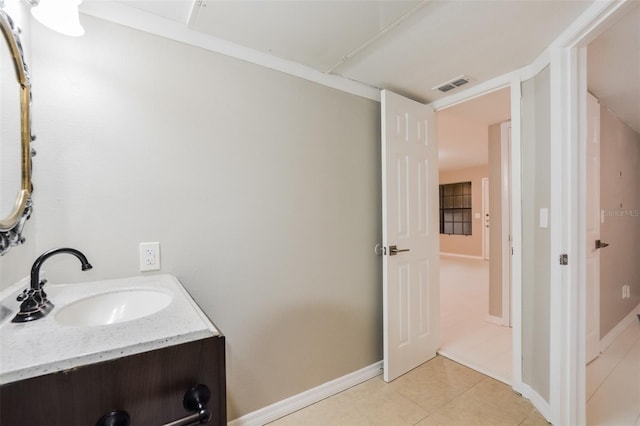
[59, 15]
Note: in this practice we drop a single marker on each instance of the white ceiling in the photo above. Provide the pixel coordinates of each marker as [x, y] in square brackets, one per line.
[406, 46]
[318, 34]
[613, 68]
[410, 46]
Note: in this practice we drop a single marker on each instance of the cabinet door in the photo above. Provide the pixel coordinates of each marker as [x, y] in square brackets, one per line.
[149, 386]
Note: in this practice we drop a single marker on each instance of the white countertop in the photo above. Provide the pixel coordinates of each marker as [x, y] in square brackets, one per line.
[45, 346]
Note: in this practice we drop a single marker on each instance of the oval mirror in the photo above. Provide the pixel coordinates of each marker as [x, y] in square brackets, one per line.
[15, 137]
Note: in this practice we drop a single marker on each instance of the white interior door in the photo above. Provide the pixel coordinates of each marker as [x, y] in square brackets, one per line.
[410, 234]
[592, 310]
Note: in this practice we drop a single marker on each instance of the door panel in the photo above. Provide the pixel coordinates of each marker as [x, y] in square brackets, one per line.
[410, 222]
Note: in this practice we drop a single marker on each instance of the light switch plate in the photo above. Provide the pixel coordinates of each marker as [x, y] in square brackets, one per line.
[544, 217]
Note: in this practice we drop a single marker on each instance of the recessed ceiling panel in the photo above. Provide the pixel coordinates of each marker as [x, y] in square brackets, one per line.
[314, 33]
[176, 10]
[480, 39]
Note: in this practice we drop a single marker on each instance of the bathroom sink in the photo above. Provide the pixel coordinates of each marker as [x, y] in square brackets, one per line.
[98, 321]
[113, 307]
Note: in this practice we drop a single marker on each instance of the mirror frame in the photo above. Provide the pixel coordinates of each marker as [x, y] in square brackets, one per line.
[12, 225]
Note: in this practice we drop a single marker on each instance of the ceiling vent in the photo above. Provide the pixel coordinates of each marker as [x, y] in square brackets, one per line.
[461, 80]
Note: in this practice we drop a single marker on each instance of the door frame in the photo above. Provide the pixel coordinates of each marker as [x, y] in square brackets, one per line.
[568, 209]
[485, 213]
[567, 59]
[505, 208]
[511, 80]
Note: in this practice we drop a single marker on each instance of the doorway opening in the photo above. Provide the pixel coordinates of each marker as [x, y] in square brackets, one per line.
[475, 270]
[612, 331]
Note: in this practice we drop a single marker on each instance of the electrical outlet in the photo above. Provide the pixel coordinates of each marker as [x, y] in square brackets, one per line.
[626, 291]
[149, 256]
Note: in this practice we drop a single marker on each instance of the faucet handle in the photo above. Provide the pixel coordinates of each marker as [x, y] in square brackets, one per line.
[26, 293]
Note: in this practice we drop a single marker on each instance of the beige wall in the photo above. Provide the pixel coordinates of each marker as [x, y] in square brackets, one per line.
[620, 200]
[468, 245]
[495, 229]
[536, 186]
[263, 190]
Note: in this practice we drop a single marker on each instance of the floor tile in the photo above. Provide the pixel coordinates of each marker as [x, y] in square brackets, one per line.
[439, 392]
[466, 335]
[456, 376]
[469, 410]
[500, 398]
[370, 403]
[446, 393]
[617, 400]
[534, 419]
[423, 387]
[601, 367]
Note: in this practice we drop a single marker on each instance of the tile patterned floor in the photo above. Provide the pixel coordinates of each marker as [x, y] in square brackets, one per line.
[466, 335]
[439, 392]
[443, 392]
[613, 382]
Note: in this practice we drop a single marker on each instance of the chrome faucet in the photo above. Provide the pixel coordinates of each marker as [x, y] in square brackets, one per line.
[35, 303]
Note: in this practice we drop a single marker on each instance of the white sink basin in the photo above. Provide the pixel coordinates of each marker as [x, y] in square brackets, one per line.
[113, 307]
[98, 321]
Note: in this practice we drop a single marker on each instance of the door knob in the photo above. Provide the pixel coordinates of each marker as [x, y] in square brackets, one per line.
[600, 244]
[393, 250]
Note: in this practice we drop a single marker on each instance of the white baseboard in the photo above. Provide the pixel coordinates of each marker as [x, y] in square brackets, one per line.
[494, 320]
[304, 399]
[466, 256]
[606, 341]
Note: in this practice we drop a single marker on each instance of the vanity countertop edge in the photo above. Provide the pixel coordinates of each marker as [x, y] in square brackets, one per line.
[45, 346]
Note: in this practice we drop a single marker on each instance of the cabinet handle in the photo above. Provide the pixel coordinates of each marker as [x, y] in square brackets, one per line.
[192, 419]
[195, 399]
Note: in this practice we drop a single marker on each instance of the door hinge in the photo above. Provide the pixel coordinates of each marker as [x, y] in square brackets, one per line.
[564, 259]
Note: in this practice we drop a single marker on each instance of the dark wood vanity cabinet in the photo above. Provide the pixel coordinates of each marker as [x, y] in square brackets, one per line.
[150, 386]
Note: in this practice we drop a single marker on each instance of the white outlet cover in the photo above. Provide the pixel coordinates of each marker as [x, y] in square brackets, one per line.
[149, 256]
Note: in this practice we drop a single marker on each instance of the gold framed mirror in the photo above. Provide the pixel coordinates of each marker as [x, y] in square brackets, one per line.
[14, 215]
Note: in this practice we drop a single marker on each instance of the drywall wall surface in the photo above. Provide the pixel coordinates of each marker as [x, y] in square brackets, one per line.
[262, 189]
[466, 245]
[495, 224]
[535, 140]
[620, 219]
